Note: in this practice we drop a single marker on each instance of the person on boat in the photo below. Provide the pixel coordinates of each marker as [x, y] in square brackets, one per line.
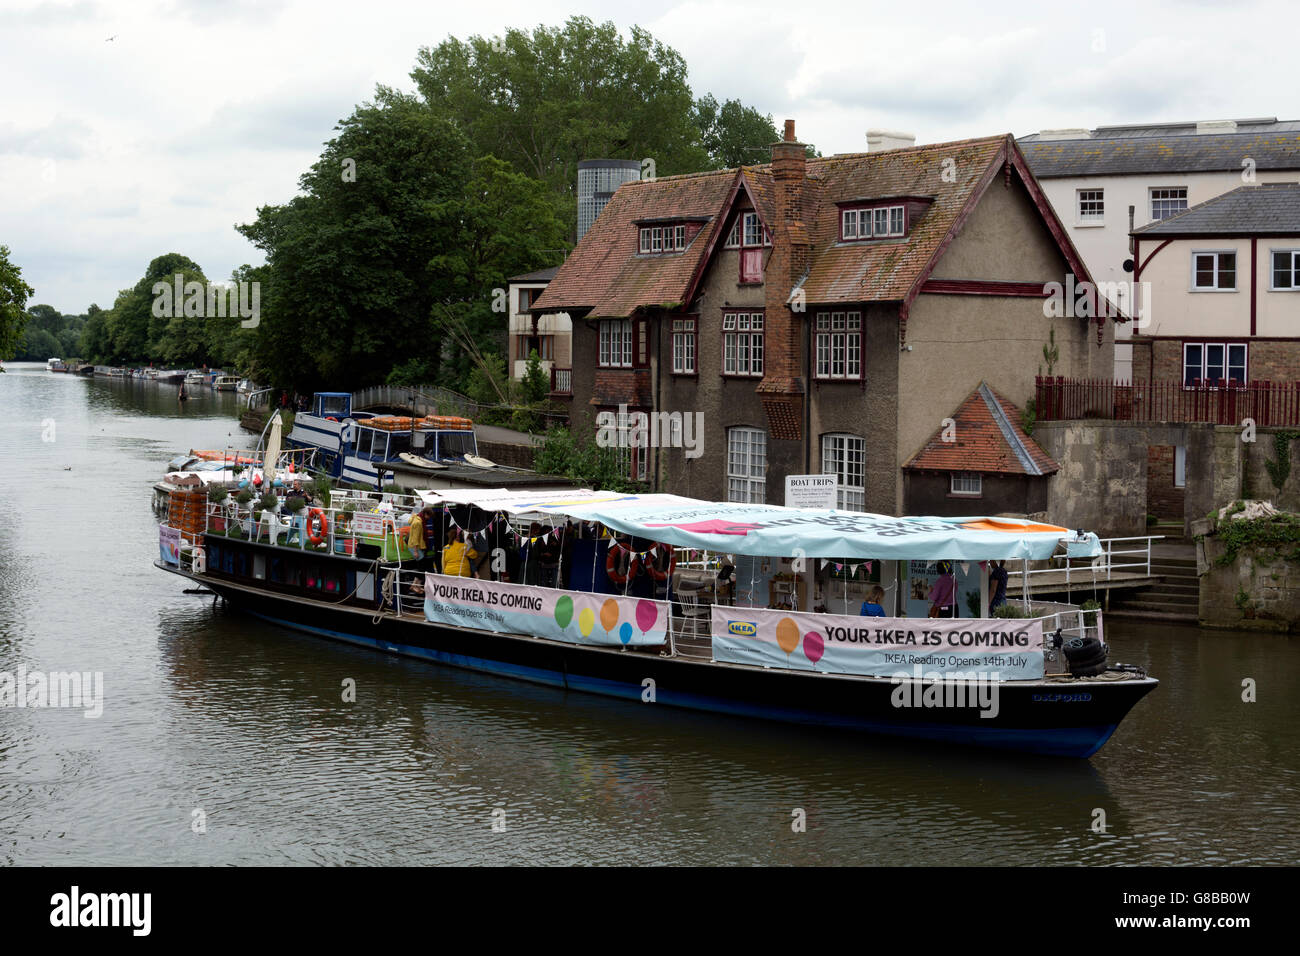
[415, 538]
[998, 585]
[943, 593]
[872, 606]
[458, 557]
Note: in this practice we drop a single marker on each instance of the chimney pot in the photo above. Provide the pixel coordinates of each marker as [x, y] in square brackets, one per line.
[789, 131]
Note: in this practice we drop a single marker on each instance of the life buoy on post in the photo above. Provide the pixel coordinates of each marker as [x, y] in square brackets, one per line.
[619, 570]
[662, 574]
[314, 515]
[200, 563]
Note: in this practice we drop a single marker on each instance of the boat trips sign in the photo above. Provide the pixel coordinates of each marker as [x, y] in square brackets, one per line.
[573, 617]
[997, 649]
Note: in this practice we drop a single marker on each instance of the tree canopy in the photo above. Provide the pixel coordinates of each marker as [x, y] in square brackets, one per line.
[14, 293]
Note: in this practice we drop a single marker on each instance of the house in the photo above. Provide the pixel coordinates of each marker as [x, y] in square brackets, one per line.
[1105, 182]
[549, 335]
[981, 455]
[1223, 280]
[817, 315]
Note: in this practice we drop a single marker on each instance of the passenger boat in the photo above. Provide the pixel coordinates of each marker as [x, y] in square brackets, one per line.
[734, 608]
[55, 365]
[364, 446]
[225, 383]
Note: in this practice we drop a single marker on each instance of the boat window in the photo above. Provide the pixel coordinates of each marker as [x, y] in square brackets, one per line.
[398, 442]
[332, 404]
[456, 444]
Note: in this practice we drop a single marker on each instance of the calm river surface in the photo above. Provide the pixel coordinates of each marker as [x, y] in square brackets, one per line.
[207, 709]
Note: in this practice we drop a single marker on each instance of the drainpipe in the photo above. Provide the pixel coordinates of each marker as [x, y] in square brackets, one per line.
[808, 392]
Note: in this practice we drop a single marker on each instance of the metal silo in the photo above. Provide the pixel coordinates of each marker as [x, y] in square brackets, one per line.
[597, 180]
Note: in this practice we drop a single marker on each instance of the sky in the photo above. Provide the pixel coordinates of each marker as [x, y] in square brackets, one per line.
[134, 128]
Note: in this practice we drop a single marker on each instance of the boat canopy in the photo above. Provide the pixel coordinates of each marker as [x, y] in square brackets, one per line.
[771, 530]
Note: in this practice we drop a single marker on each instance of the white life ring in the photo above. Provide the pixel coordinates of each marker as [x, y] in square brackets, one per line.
[200, 561]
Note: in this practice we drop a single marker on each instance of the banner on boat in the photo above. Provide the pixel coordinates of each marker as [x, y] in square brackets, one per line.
[577, 617]
[1009, 648]
[169, 544]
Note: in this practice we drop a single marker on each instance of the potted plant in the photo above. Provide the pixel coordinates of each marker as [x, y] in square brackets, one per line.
[217, 495]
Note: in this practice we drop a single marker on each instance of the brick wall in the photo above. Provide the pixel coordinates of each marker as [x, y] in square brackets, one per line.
[1267, 360]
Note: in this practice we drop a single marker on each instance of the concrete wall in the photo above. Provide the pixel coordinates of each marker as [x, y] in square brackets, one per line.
[1265, 581]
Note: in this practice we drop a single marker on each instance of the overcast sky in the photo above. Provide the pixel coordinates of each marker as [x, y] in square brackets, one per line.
[196, 112]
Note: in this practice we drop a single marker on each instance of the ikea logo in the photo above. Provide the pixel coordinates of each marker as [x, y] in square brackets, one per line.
[742, 628]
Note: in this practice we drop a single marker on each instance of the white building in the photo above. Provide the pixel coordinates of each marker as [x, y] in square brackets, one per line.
[1106, 182]
[550, 334]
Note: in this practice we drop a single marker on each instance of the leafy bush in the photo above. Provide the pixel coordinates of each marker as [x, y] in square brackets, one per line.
[589, 465]
[295, 504]
[268, 501]
[537, 384]
[1010, 611]
[245, 496]
[217, 493]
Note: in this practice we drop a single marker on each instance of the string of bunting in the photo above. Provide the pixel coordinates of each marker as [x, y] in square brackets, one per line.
[841, 565]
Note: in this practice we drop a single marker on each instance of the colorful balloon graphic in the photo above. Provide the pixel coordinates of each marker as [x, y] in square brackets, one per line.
[564, 610]
[787, 635]
[813, 646]
[586, 621]
[646, 615]
[625, 633]
[609, 615]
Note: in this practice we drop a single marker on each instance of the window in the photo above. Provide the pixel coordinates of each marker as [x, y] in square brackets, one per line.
[742, 343]
[659, 239]
[844, 456]
[967, 483]
[1286, 270]
[684, 332]
[527, 297]
[733, 237]
[1213, 363]
[839, 345]
[746, 465]
[754, 232]
[1180, 466]
[645, 240]
[1168, 202]
[1214, 271]
[656, 239]
[879, 222]
[1092, 207]
[616, 343]
[679, 237]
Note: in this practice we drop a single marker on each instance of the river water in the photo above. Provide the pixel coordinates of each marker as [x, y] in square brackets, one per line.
[221, 723]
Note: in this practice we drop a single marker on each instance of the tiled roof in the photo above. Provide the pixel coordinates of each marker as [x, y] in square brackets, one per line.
[541, 275]
[988, 438]
[606, 275]
[1171, 153]
[1247, 210]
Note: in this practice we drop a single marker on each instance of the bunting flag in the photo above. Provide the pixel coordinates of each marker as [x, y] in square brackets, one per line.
[868, 566]
[839, 566]
[965, 567]
[823, 564]
[984, 565]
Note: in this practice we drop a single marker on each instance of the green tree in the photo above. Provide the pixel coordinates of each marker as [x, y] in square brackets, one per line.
[537, 384]
[734, 134]
[14, 293]
[545, 99]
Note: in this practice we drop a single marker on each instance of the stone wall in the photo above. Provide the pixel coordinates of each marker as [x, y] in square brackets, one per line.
[1259, 590]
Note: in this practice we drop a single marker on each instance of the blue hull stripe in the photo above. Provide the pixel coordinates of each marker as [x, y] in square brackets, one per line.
[1063, 741]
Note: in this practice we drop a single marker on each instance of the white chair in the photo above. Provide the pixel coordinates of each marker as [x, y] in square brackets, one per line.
[694, 613]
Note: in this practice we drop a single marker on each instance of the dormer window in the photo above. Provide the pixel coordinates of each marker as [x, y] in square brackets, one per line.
[749, 228]
[873, 222]
[656, 240]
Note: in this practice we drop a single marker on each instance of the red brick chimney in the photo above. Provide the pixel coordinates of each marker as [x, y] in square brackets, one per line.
[782, 387]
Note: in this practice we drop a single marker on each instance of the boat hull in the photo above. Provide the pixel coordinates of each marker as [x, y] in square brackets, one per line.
[1067, 718]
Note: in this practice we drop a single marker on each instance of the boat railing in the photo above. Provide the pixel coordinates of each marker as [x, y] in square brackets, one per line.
[1119, 556]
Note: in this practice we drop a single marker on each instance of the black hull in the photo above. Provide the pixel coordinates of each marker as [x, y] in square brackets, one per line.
[1060, 717]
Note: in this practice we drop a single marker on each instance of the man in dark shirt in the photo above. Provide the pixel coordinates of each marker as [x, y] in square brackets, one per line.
[998, 585]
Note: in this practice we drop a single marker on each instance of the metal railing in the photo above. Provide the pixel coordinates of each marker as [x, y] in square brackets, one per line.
[1203, 401]
[1135, 560]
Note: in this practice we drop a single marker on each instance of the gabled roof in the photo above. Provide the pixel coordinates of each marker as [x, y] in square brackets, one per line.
[988, 438]
[1263, 209]
[1165, 152]
[607, 275]
[541, 275]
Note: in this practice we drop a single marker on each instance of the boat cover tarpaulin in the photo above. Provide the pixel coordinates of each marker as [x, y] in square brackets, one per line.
[770, 530]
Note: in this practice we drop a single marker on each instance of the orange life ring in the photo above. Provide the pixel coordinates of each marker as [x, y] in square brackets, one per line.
[317, 537]
[611, 566]
[652, 566]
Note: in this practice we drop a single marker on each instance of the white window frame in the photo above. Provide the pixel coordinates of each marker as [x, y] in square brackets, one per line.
[1228, 363]
[644, 245]
[1152, 199]
[742, 344]
[615, 350]
[966, 484]
[839, 346]
[753, 233]
[679, 237]
[1273, 254]
[656, 239]
[874, 222]
[747, 464]
[684, 346]
[733, 236]
[849, 224]
[1090, 197]
[1216, 253]
[845, 457]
